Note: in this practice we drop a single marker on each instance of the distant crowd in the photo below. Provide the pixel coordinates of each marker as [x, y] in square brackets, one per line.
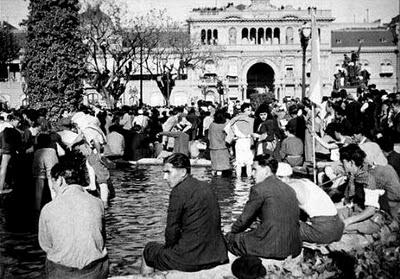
[357, 145]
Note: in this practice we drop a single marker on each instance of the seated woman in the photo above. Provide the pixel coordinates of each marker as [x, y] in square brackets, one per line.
[292, 148]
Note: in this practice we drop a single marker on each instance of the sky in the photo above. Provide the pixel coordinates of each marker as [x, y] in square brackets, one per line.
[14, 11]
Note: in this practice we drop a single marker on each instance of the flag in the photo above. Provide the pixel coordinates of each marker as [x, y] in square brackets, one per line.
[315, 93]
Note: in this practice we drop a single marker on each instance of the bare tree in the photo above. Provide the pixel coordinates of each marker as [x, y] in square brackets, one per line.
[117, 45]
[174, 55]
[120, 47]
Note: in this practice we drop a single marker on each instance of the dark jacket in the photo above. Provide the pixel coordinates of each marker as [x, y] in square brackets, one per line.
[277, 236]
[193, 234]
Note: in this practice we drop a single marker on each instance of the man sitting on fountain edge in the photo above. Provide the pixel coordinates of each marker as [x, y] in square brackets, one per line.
[193, 237]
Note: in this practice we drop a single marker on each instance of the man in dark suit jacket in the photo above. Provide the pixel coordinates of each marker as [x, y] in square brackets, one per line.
[193, 237]
[275, 204]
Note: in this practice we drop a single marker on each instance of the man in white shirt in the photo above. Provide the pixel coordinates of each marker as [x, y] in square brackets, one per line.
[141, 120]
[324, 225]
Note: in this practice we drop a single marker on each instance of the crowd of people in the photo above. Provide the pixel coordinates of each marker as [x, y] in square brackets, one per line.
[357, 145]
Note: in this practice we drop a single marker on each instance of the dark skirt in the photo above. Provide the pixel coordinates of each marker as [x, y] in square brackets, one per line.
[220, 159]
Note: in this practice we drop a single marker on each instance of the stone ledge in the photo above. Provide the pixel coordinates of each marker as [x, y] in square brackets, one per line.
[221, 271]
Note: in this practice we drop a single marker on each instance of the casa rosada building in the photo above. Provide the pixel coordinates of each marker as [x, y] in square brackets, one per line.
[257, 48]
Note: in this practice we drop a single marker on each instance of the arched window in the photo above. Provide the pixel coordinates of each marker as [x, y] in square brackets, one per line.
[232, 36]
[277, 34]
[289, 36]
[245, 33]
[203, 37]
[261, 39]
[209, 36]
[268, 35]
[215, 36]
[93, 98]
[253, 35]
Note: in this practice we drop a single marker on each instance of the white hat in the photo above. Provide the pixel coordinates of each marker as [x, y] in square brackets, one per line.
[284, 169]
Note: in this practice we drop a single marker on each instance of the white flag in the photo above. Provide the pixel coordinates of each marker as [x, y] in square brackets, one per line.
[315, 94]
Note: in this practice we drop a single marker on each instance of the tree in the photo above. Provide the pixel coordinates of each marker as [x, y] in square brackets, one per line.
[9, 48]
[54, 64]
[118, 46]
[174, 55]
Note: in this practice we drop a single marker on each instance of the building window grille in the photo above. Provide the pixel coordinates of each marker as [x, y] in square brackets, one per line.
[253, 36]
[261, 39]
[268, 35]
[93, 98]
[277, 35]
[209, 36]
[203, 37]
[215, 36]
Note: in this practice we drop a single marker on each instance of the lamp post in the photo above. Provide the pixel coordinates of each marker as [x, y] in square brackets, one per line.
[305, 35]
[166, 78]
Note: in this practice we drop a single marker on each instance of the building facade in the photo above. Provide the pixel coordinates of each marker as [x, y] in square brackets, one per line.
[257, 48]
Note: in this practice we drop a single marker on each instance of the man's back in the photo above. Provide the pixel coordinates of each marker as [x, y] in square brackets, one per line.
[278, 236]
[71, 228]
[193, 231]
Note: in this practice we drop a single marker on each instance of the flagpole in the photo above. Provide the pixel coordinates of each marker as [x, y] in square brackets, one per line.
[313, 143]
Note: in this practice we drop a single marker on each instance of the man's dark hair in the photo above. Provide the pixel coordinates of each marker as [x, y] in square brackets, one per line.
[14, 116]
[385, 144]
[179, 161]
[219, 117]
[396, 103]
[343, 93]
[245, 106]
[266, 160]
[293, 109]
[291, 127]
[43, 141]
[72, 167]
[352, 152]
[62, 170]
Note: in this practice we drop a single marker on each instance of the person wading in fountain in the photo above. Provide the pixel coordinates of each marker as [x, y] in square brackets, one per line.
[193, 237]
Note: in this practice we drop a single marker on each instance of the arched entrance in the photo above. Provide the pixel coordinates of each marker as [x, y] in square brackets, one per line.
[260, 79]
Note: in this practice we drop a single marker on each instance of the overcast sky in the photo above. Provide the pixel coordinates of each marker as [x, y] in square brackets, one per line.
[14, 11]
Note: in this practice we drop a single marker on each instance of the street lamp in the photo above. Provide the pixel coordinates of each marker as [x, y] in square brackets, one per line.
[305, 35]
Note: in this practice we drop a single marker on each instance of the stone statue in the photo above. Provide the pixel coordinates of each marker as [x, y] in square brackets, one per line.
[351, 74]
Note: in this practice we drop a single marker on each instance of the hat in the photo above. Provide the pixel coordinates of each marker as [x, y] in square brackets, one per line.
[284, 169]
[248, 267]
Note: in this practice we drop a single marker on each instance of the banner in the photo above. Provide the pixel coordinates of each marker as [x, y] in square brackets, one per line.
[315, 93]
